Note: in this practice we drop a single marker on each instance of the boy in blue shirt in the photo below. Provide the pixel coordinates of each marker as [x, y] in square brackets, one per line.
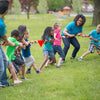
[95, 37]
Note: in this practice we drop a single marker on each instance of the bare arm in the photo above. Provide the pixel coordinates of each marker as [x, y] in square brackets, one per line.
[96, 40]
[66, 33]
[25, 42]
[4, 38]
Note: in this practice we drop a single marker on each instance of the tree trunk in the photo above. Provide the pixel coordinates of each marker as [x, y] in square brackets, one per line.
[96, 13]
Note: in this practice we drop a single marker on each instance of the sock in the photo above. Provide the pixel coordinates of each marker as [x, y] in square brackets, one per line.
[37, 71]
[28, 69]
[81, 57]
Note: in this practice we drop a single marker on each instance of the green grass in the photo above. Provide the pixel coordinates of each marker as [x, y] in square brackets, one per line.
[75, 81]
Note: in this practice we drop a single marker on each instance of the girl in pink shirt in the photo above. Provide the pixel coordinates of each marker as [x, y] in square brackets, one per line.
[57, 43]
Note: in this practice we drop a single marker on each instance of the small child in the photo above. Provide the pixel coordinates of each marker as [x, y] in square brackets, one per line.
[28, 58]
[15, 35]
[57, 43]
[95, 39]
[48, 49]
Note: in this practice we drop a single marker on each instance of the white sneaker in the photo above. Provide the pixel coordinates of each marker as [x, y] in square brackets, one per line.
[80, 59]
[17, 81]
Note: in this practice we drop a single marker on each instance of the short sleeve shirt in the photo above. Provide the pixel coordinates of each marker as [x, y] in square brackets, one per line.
[72, 29]
[95, 35]
[2, 29]
[48, 45]
[57, 42]
[26, 52]
[11, 49]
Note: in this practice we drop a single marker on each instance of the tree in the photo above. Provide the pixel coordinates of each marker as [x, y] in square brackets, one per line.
[42, 7]
[17, 6]
[55, 4]
[96, 13]
[77, 6]
[27, 4]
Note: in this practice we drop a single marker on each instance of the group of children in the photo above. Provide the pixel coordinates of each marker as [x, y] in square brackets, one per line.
[52, 45]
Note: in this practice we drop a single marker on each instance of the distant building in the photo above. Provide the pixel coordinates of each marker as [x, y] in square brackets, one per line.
[87, 6]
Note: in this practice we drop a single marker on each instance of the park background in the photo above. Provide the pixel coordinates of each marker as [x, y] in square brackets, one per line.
[75, 81]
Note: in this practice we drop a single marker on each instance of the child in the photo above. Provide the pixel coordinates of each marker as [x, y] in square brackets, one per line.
[28, 58]
[95, 39]
[57, 43]
[48, 50]
[15, 35]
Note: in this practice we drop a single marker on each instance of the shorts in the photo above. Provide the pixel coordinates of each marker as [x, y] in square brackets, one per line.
[49, 52]
[17, 62]
[29, 60]
[91, 48]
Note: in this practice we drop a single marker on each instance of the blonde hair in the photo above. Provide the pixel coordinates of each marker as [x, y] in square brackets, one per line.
[55, 26]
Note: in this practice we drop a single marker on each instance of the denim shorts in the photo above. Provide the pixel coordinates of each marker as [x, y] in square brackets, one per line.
[19, 61]
[48, 52]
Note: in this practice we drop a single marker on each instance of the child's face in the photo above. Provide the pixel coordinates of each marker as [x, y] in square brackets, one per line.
[17, 38]
[79, 22]
[98, 29]
[59, 27]
[52, 31]
[26, 33]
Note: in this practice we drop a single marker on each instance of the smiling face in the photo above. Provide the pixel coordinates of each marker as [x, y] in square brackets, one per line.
[79, 22]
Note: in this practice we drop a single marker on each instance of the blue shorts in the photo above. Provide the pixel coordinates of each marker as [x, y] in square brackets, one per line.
[48, 52]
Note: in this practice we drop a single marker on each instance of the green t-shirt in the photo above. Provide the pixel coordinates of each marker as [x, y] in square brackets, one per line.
[11, 49]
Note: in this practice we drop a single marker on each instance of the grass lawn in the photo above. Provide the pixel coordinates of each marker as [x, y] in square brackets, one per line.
[75, 81]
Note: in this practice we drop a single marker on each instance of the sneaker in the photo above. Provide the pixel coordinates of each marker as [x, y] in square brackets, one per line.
[79, 59]
[58, 66]
[46, 66]
[72, 57]
[62, 61]
[2, 86]
[28, 72]
[37, 71]
[9, 84]
[17, 81]
[40, 70]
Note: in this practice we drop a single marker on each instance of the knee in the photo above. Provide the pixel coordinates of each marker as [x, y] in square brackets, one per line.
[66, 47]
[77, 47]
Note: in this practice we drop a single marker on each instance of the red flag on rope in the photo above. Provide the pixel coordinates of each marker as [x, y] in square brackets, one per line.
[40, 42]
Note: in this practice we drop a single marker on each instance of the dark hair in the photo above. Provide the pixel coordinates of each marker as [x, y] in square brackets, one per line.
[22, 29]
[80, 16]
[15, 33]
[3, 6]
[47, 32]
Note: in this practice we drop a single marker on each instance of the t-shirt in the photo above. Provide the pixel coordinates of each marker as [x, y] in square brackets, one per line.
[26, 52]
[95, 35]
[57, 42]
[2, 29]
[48, 45]
[11, 49]
[72, 29]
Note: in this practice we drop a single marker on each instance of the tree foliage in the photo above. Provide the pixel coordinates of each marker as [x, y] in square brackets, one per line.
[17, 6]
[77, 6]
[27, 4]
[42, 7]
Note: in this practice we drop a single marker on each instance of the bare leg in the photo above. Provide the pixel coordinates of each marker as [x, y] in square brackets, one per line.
[59, 62]
[12, 71]
[23, 70]
[86, 53]
[34, 67]
[44, 61]
[48, 62]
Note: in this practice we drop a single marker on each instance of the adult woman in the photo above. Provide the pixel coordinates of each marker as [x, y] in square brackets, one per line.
[72, 29]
